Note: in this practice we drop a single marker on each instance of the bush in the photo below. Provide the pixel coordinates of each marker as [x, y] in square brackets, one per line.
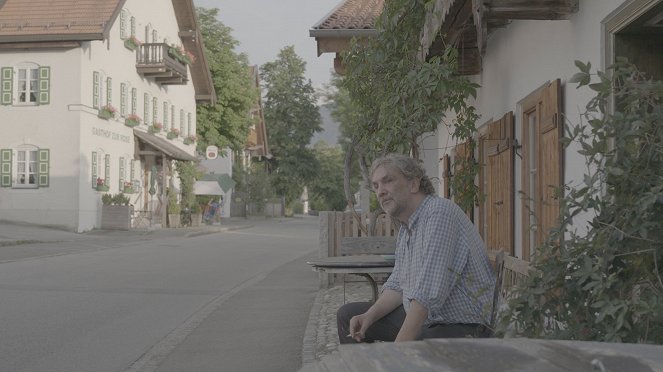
[173, 205]
[117, 199]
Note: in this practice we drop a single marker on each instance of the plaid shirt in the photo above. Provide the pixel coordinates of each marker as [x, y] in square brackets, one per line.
[441, 262]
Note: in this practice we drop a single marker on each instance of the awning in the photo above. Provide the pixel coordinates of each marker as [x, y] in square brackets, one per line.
[225, 181]
[164, 146]
[207, 188]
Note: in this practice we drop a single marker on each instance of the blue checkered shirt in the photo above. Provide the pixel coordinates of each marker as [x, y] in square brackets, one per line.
[441, 262]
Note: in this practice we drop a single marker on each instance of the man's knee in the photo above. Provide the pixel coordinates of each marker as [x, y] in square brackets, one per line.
[347, 311]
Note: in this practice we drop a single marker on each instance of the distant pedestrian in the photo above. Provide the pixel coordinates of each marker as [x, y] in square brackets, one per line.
[442, 284]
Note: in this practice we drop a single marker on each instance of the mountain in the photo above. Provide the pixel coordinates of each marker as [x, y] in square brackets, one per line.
[330, 128]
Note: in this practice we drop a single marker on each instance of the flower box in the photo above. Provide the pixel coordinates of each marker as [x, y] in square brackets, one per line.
[128, 190]
[132, 42]
[155, 128]
[105, 114]
[131, 122]
[102, 188]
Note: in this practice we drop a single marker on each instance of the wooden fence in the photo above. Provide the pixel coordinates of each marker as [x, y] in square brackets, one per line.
[334, 226]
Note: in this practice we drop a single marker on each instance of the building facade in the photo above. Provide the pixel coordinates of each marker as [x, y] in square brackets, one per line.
[98, 96]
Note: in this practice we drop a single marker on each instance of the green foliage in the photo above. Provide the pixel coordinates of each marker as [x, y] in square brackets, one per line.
[326, 190]
[117, 199]
[605, 284]
[226, 124]
[395, 97]
[293, 117]
[173, 206]
[188, 173]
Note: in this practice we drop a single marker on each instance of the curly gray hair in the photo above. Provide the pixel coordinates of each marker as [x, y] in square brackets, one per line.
[410, 168]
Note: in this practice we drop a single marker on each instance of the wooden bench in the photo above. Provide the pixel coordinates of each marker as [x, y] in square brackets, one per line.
[510, 271]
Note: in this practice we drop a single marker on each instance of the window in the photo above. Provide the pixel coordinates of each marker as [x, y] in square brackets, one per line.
[24, 167]
[98, 91]
[155, 110]
[146, 108]
[123, 99]
[542, 166]
[165, 115]
[27, 84]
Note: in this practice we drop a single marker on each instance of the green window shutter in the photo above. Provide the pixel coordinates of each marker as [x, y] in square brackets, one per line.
[44, 85]
[132, 168]
[155, 109]
[188, 124]
[44, 167]
[109, 91]
[165, 114]
[133, 26]
[181, 122]
[121, 178]
[6, 168]
[172, 116]
[94, 169]
[134, 100]
[123, 24]
[7, 82]
[107, 170]
[95, 89]
[146, 108]
[155, 36]
[123, 99]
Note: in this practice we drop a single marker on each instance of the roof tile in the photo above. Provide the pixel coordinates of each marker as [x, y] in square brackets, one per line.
[352, 15]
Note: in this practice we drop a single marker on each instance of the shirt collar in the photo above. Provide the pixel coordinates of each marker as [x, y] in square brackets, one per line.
[414, 218]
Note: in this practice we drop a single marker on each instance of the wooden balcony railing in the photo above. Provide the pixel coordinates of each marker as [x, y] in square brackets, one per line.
[153, 61]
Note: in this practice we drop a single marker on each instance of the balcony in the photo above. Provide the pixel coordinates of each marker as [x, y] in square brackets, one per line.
[154, 61]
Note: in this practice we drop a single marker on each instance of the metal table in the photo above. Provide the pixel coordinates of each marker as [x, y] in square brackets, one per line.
[362, 265]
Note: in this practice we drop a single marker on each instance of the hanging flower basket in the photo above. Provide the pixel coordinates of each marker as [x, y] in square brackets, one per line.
[132, 120]
[132, 42]
[128, 188]
[101, 185]
[107, 112]
[155, 128]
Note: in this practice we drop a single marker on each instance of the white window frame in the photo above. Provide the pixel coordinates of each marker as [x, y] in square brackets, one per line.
[17, 92]
[26, 149]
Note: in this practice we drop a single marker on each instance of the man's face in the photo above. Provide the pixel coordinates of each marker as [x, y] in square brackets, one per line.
[395, 192]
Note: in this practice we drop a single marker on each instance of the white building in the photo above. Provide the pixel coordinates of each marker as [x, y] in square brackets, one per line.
[62, 63]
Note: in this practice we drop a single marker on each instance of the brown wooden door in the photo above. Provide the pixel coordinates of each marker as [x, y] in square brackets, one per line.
[496, 156]
[542, 166]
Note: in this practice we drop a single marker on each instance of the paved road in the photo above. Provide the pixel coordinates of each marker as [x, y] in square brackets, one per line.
[237, 300]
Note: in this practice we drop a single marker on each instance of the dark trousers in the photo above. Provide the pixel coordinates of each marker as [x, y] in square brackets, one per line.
[386, 329]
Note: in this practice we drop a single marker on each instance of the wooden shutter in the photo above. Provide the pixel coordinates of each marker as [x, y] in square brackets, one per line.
[95, 167]
[181, 122]
[550, 155]
[44, 85]
[133, 26]
[44, 167]
[463, 152]
[6, 167]
[132, 173]
[542, 169]
[95, 89]
[7, 82]
[107, 170]
[446, 164]
[188, 124]
[121, 178]
[172, 116]
[496, 184]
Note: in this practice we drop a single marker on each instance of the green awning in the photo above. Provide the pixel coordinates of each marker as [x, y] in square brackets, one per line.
[225, 181]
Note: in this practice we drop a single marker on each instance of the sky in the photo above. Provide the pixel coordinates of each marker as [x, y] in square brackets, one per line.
[264, 27]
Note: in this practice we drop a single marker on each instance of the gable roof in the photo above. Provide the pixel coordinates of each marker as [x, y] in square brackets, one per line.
[62, 20]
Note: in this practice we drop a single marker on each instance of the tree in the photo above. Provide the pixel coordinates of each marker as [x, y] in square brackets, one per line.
[326, 190]
[293, 117]
[225, 124]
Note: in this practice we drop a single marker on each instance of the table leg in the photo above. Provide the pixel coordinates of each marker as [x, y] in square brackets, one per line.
[374, 285]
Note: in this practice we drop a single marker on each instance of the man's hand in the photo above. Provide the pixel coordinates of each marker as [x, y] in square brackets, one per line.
[358, 326]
